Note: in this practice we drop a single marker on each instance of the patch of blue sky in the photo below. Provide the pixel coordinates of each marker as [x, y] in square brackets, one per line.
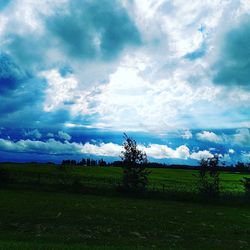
[4, 4]
[200, 52]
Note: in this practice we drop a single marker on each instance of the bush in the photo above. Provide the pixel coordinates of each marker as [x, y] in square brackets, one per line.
[242, 167]
[208, 182]
[76, 184]
[246, 183]
[4, 176]
[135, 175]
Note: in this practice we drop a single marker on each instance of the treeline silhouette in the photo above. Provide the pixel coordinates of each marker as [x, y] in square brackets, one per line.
[238, 167]
[85, 162]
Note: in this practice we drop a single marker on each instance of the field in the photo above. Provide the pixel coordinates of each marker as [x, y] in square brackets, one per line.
[32, 217]
[107, 177]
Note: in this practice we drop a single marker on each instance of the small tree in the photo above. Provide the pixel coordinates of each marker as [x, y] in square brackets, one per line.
[208, 177]
[4, 176]
[135, 175]
[246, 184]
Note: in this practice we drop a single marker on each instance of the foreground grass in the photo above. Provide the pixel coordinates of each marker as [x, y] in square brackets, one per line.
[51, 220]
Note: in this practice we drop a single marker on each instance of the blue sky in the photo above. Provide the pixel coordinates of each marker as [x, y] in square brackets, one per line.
[75, 75]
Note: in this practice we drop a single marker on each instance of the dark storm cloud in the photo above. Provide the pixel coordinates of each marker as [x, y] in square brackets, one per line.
[18, 88]
[11, 75]
[22, 97]
[233, 66]
[93, 29]
[27, 49]
[27, 112]
[81, 29]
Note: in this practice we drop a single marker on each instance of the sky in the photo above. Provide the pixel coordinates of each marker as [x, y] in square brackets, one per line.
[174, 75]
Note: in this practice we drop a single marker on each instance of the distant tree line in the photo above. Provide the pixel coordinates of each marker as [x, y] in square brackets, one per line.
[85, 162]
[242, 167]
[238, 167]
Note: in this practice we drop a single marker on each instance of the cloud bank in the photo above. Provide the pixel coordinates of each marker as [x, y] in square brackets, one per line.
[241, 137]
[134, 65]
[54, 147]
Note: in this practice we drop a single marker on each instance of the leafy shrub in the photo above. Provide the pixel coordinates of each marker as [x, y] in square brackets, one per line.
[242, 167]
[246, 184]
[208, 182]
[135, 175]
[4, 176]
[76, 184]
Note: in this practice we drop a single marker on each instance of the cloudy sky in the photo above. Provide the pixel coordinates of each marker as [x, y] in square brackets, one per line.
[75, 75]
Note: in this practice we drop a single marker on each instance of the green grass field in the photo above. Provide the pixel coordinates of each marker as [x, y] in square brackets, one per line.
[32, 217]
[52, 220]
[103, 177]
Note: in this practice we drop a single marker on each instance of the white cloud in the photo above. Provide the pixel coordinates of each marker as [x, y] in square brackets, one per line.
[225, 158]
[209, 136]
[54, 147]
[50, 146]
[108, 149]
[34, 134]
[163, 152]
[60, 89]
[242, 137]
[50, 135]
[187, 134]
[231, 151]
[131, 102]
[204, 154]
[245, 157]
[64, 135]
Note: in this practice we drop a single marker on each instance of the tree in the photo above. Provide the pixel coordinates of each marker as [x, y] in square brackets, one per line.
[82, 162]
[246, 184]
[102, 163]
[208, 177]
[135, 175]
[4, 176]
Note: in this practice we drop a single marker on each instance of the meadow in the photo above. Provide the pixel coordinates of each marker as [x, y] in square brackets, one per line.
[160, 179]
[36, 212]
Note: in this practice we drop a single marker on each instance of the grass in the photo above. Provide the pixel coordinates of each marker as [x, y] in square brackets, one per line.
[106, 177]
[52, 220]
[36, 215]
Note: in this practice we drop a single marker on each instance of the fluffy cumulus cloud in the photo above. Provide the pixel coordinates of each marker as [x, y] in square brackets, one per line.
[240, 137]
[34, 134]
[162, 151]
[204, 154]
[208, 136]
[63, 135]
[31, 146]
[245, 156]
[55, 147]
[187, 134]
